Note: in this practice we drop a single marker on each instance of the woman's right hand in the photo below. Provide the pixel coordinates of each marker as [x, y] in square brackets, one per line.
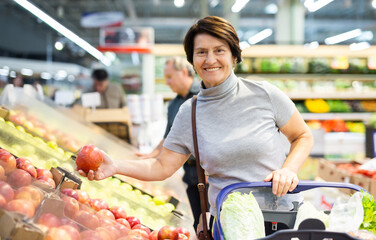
[107, 169]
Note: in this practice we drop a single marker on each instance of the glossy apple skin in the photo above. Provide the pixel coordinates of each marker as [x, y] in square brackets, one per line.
[7, 161]
[6, 191]
[23, 206]
[183, 230]
[19, 178]
[89, 158]
[167, 232]
[118, 212]
[30, 193]
[133, 221]
[49, 220]
[44, 172]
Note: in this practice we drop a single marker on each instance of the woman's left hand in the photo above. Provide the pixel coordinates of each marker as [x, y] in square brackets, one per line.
[284, 180]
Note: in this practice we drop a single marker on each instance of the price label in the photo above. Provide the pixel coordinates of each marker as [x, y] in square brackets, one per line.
[91, 99]
[64, 97]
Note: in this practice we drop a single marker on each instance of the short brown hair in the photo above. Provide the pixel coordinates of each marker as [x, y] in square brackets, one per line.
[216, 27]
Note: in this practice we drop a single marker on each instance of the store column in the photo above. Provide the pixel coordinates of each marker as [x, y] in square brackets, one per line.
[233, 18]
[289, 28]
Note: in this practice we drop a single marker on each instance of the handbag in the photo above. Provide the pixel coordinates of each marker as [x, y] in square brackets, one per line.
[203, 232]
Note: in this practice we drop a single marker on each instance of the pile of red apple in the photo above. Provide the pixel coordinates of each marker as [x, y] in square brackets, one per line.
[17, 190]
[98, 219]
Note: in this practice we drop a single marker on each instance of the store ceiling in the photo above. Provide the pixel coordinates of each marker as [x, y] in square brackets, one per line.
[24, 35]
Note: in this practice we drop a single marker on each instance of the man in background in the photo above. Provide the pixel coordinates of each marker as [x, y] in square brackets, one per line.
[179, 75]
[112, 94]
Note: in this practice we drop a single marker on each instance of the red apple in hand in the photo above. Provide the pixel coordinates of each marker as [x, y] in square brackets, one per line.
[89, 158]
[7, 161]
[167, 232]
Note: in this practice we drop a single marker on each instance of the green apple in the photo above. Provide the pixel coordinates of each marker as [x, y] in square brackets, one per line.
[52, 144]
[158, 200]
[20, 128]
[52, 163]
[2, 119]
[10, 123]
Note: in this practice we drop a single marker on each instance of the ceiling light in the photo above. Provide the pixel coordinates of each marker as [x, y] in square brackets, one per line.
[239, 5]
[26, 72]
[12, 74]
[243, 45]
[59, 45]
[312, 45]
[271, 8]
[213, 3]
[260, 36]
[4, 72]
[45, 75]
[343, 36]
[63, 30]
[374, 3]
[359, 46]
[179, 3]
[313, 6]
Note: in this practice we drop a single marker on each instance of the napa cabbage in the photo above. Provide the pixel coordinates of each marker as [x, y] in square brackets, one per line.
[241, 217]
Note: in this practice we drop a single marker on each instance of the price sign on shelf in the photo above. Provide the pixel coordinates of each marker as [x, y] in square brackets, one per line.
[91, 100]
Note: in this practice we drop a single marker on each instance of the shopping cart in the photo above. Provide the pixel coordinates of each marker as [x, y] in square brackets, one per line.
[284, 216]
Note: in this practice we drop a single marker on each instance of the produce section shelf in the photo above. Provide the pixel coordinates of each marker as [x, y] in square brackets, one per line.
[349, 95]
[311, 76]
[343, 116]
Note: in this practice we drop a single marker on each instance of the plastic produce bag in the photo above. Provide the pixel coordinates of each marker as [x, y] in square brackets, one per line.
[347, 216]
[241, 217]
[307, 210]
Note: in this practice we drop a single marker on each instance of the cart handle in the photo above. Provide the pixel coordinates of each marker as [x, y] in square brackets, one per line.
[303, 185]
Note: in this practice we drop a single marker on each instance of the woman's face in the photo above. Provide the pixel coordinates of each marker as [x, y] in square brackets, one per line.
[212, 59]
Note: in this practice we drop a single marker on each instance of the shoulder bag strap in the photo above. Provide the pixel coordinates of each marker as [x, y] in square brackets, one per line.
[200, 172]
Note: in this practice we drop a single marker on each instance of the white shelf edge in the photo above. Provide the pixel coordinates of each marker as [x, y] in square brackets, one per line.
[344, 116]
[333, 95]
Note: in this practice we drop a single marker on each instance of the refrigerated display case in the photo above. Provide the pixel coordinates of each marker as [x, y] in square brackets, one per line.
[55, 119]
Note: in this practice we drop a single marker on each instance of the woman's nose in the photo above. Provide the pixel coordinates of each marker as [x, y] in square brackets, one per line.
[210, 58]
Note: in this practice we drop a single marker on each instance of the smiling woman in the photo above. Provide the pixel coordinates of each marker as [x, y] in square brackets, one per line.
[239, 124]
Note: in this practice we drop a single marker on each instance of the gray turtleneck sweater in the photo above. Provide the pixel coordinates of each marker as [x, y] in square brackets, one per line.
[238, 134]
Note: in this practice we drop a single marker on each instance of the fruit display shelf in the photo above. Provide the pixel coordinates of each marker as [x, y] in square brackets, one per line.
[22, 144]
[171, 190]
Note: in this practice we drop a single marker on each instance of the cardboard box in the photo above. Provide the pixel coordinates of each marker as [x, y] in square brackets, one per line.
[4, 112]
[13, 227]
[329, 172]
[104, 115]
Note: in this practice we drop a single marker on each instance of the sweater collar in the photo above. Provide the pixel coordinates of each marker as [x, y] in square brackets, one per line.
[220, 90]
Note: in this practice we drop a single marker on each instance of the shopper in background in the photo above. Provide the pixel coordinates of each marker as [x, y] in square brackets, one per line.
[18, 81]
[112, 94]
[239, 123]
[179, 75]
